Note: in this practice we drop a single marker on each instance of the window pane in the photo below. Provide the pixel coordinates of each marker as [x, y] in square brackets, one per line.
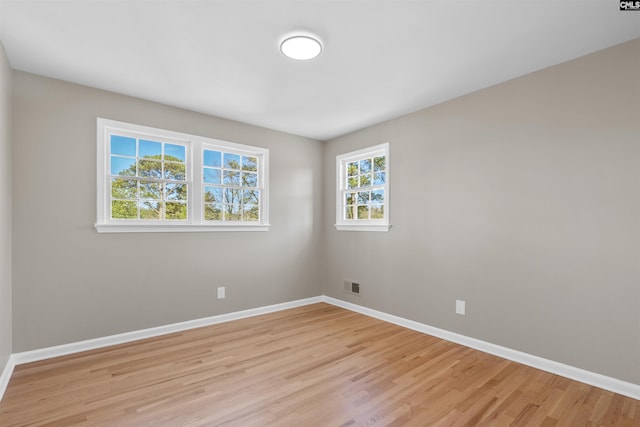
[377, 196]
[175, 210]
[176, 191]
[231, 161]
[350, 199]
[212, 176]
[363, 197]
[378, 164]
[212, 158]
[349, 212]
[212, 194]
[379, 178]
[365, 166]
[231, 178]
[232, 195]
[249, 179]
[213, 212]
[250, 196]
[123, 166]
[352, 182]
[124, 188]
[123, 209]
[232, 213]
[150, 190]
[175, 171]
[150, 149]
[123, 145]
[175, 153]
[352, 169]
[249, 163]
[363, 212]
[150, 210]
[251, 213]
[150, 168]
[377, 212]
[365, 180]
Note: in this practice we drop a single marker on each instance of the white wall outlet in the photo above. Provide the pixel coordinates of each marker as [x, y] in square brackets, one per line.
[221, 292]
[460, 307]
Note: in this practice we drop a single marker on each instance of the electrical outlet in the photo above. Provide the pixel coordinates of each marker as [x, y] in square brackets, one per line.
[221, 292]
[460, 307]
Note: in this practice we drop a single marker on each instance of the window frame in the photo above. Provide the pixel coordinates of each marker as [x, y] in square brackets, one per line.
[195, 146]
[342, 160]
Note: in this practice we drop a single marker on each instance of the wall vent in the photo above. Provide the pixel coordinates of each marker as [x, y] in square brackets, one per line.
[351, 287]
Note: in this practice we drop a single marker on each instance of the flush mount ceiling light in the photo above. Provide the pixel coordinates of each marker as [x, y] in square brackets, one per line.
[301, 47]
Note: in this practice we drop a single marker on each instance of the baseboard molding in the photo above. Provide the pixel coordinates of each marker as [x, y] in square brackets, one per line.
[76, 347]
[598, 380]
[6, 375]
[577, 374]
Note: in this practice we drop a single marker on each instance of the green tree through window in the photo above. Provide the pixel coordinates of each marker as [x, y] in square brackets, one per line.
[156, 180]
[145, 183]
[231, 190]
[363, 189]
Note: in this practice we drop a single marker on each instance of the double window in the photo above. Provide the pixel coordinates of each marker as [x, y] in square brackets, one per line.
[363, 189]
[156, 180]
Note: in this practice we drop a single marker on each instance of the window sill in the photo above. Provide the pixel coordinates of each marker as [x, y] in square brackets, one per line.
[363, 227]
[176, 228]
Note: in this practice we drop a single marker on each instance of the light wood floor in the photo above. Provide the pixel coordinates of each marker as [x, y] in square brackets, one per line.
[317, 365]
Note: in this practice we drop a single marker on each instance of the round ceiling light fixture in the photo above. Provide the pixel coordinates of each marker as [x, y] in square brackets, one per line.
[301, 47]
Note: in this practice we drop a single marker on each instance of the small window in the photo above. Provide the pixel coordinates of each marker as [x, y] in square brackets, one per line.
[363, 189]
[156, 180]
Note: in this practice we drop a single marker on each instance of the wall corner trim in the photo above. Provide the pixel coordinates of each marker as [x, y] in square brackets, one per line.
[6, 375]
[598, 380]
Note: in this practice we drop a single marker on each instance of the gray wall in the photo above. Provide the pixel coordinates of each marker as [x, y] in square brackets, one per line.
[522, 199]
[71, 283]
[5, 209]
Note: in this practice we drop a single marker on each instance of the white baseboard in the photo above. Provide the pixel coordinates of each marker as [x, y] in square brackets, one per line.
[598, 380]
[577, 374]
[76, 347]
[6, 375]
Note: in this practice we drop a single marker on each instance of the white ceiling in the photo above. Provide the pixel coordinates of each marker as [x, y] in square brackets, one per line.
[381, 59]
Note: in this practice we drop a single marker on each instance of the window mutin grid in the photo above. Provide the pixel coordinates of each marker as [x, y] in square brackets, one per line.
[231, 186]
[365, 188]
[154, 180]
[362, 190]
[148, 178]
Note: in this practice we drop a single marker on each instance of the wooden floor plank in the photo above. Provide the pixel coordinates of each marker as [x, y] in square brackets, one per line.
[317, 365]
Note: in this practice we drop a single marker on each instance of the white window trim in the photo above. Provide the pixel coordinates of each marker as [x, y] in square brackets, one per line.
[360, 224]
[197, 144]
